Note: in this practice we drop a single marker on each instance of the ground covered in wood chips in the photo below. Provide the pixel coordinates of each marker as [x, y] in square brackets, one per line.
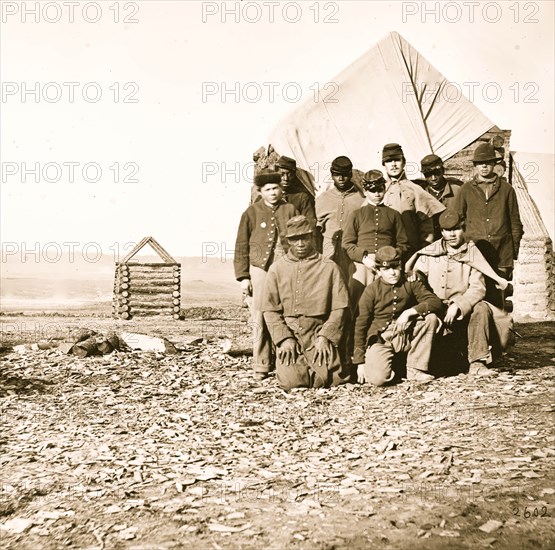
[148, 451]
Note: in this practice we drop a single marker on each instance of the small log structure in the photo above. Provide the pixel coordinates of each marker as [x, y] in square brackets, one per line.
[147, 288]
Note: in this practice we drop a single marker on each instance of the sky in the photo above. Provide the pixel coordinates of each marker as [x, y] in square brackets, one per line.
[142, 117]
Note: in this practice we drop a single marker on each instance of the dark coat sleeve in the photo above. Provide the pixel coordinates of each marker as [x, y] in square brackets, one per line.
[241, 260]
[350, 237]
[273, 309]
[428, 302]
[401, 238]
[516, 225]
[307, 207]
[460, 201]
[363, 323]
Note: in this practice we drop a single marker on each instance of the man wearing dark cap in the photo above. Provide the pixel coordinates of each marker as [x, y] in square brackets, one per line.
[368, 229]
[260, 241]
[443, 189]
[333, 208]
[416, 207]
[489, 205]
[305, 307]
[455, 270]
[396, 316]
[294, 191]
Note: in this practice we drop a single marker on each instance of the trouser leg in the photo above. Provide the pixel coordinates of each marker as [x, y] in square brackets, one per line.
[479, 333]
[378, 363]
[295, 375]
[361, 278]
[262, 344]
[423, 333]
[306, 372]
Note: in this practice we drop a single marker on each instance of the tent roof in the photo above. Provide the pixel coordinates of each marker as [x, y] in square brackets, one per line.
[390, 94]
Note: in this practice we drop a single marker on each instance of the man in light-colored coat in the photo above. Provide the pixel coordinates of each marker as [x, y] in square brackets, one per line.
[333, 208]
[455, 270]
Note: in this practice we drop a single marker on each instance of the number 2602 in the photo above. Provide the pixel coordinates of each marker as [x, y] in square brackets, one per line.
[532, 513]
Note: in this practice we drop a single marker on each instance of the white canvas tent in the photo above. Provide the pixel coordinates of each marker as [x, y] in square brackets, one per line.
[538, 170]
[390, 94]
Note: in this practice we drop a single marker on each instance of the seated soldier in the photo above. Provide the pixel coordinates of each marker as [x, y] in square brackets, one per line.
[455, 270]
[305, 307]
[396, 316]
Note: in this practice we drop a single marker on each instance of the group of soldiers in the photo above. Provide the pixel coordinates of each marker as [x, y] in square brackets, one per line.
[359, 284]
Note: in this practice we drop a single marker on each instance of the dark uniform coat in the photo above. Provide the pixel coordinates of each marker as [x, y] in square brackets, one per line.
[259, 229]
[495, 219]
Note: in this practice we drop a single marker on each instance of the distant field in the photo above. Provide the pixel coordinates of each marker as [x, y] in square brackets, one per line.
[95, 295]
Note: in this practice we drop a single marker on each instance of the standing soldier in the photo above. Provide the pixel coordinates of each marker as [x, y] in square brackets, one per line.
[490, 208]
[445, 190]
[333, 207]
[294, 191]
[368, 229]
[260, 241]
[416, 207]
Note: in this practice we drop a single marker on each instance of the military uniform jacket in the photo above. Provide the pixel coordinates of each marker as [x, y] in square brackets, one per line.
[311, 287]
[259, 230]
[417, 208]
[448, 198]
[303, 202]
[381, 304]
[495, 219]
[449, 194]
[333, 208]
[372, 227]
[450, 275]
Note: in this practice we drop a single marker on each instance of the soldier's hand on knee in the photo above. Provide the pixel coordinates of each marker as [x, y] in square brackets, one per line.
[288, 351]
[322, 351]
[451, 315]
[404, 321]
[361, 374]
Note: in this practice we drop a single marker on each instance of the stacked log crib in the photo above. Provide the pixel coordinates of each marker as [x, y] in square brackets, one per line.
[147, 288]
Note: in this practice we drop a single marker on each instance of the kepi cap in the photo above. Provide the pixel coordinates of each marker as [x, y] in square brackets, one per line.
[392, 151]
[342, 165]
[373, 179]
[287, 163]
[298, 225]
[429, 162]
[266, 176]
[387, 256]
[450, 219]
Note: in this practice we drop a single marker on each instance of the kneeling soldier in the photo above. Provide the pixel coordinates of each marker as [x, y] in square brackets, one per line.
[396, 316]
[305, 306]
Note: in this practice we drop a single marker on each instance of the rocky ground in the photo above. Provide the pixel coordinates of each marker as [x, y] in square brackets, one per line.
[143, 450]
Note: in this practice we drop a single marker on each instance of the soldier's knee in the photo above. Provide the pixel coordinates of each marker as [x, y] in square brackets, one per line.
[290, 377]
[431, 320]
[481, 309]
[379, 376]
